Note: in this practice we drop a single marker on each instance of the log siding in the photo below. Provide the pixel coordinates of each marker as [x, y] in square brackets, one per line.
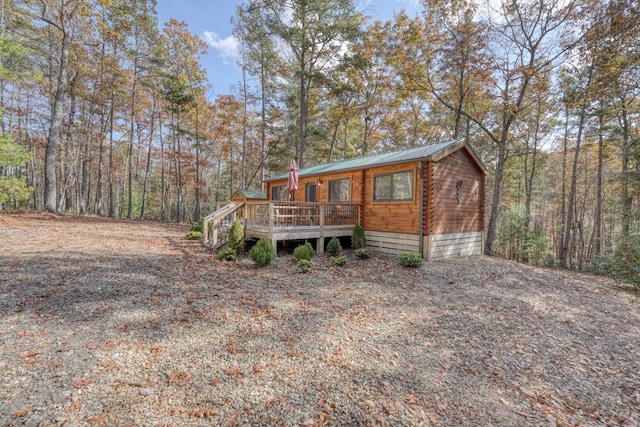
[453, 212]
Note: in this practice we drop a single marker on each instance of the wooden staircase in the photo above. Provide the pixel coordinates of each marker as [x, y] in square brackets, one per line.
[216, 226]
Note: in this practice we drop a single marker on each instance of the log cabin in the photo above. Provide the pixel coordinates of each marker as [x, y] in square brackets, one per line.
[428, 199]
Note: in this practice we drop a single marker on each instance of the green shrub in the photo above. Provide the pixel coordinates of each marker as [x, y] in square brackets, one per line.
[623, 264]
[339, 261]
[410, 259]
[193, 235]
[306, 265]
[362, 253]
[236, 236]
[602, 265]
[228, 254]
[304, 251]
[358, 241]
[626, 260]
[334, 248]
[198, 226]
[262, 253]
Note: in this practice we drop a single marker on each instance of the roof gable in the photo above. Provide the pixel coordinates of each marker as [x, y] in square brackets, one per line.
[433, 152]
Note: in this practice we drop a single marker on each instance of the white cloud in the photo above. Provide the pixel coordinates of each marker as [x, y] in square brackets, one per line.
[227, 47]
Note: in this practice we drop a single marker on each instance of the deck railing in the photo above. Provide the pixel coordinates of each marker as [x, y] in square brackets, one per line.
[278, 215]
[281, 221]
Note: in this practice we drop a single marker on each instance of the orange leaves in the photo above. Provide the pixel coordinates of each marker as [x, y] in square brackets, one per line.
[30, 357]
[28, 354]
[96, 419]
[233, 371]
[112, 345]
[179, 378]
[73, 406]
[204, 413]
[109, 365]
[22, 412]
[411, 399]
[83, 383]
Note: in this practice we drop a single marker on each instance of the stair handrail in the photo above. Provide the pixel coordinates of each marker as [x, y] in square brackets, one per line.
[212, 220]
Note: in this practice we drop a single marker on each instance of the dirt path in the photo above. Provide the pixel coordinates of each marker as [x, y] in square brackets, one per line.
[107, 322]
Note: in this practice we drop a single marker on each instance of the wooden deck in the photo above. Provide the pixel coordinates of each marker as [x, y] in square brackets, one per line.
[278, 221]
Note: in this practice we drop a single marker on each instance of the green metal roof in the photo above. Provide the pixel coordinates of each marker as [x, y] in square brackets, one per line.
[424, 152]
[253, 194]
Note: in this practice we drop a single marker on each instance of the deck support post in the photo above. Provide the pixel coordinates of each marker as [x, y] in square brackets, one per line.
[320, 241]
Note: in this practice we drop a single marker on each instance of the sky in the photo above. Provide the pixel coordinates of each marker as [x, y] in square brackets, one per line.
[211, 21]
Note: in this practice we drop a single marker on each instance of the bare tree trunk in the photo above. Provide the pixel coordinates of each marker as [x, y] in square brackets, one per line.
[198, 173]
[563, 224]
[54, 138]
[334, 139]
[112, 203]
[530, 174]
[623, 119]
[495, 204]
[304, 112]
[263, 128]
[148, 165]
[243, 182]
[598, 213]
[566, 243]
[163, 204]
[131, 132]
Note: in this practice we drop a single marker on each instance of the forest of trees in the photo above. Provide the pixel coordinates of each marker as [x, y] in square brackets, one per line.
[104, 112]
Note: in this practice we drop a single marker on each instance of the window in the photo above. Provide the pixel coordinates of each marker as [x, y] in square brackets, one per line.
[279, 192]
[393, 186]
[340, 190]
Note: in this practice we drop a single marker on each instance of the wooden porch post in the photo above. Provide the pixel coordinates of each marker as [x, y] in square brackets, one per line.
[320, 240]
[274, 241]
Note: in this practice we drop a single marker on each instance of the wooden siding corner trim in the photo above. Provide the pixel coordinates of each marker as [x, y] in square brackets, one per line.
[428, 198]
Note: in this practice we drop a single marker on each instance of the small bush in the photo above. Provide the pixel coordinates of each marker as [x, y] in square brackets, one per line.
[228, 254]
[236, 236]
[334, 247]
[306, 265]
[362, 253]
[410, 259]
[626, 260]
[304, 251]
[339, 261]
[198, 226]
[262, 253]
[193, 235]
[623, 264]
[358, 241]
[602, 265]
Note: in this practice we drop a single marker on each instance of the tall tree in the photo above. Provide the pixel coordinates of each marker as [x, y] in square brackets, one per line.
[516, 45]
[316, 34]
[60, 16]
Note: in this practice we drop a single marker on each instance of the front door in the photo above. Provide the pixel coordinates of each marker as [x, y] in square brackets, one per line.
[310, 192]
